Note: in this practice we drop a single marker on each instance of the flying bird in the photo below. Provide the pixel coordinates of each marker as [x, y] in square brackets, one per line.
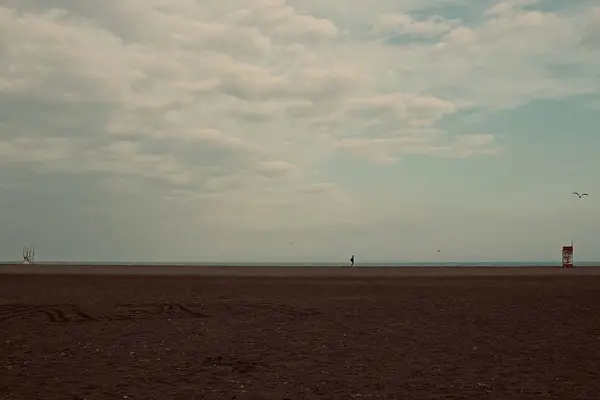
[580, 195]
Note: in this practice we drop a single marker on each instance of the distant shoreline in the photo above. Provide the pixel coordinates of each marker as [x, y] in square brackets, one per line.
[295, 272]
[310, 264]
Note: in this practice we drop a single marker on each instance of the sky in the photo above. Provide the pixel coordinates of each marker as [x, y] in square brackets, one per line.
[299, 130]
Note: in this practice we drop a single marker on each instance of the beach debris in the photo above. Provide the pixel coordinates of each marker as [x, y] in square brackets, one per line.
[485, 387]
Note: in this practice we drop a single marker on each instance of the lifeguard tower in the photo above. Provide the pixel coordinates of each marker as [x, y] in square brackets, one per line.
[567, 256]
[28, 255]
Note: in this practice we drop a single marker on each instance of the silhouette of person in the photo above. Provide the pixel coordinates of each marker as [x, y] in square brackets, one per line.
[352, 260]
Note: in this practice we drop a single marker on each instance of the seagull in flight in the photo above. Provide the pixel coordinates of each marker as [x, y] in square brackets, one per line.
[580, 195]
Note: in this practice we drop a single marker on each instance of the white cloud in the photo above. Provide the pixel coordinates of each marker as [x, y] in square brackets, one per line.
[234, 104]
[399, 108]
[395, 24]
[388, 150]
[283, 21]
[277, 169]
[126, 158]
[591, 37]
[29, 152]
[509, 7]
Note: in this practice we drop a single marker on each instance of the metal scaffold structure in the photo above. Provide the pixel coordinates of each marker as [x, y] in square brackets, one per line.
[28, 254]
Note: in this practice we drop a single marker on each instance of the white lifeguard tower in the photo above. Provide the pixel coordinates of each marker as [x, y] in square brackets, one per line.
[28, 254]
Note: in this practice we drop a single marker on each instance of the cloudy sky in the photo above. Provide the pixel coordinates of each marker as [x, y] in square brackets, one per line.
[299, 130]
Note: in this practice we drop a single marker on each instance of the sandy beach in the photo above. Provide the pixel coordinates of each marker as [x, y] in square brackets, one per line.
[164, 332]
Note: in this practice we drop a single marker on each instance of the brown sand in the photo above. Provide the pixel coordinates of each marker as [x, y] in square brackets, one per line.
[302, 333]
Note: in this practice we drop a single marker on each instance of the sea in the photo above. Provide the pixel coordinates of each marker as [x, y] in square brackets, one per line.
[374, 264]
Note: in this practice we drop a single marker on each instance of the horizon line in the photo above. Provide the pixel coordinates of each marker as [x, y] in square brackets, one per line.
[284, 263]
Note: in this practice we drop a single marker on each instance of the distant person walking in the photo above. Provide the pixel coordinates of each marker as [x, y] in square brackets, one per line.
[352, 261]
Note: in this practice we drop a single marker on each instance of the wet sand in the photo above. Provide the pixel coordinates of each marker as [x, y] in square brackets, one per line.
[298, 333]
